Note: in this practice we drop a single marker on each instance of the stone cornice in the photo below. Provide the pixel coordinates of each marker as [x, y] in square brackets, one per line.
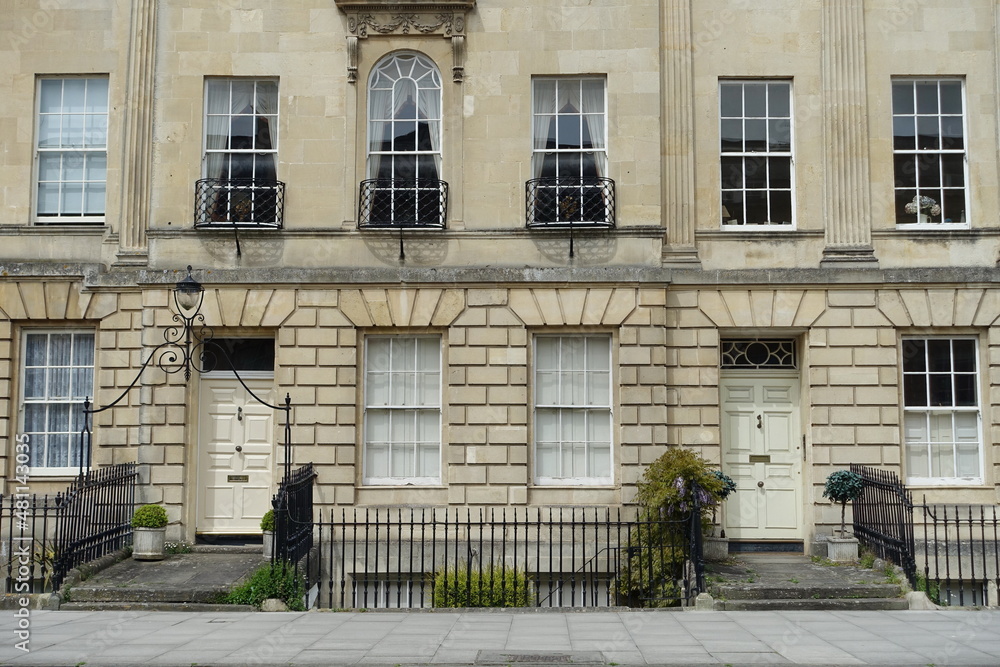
[444, 18]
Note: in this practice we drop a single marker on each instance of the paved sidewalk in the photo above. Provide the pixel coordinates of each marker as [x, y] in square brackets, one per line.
[505, 638]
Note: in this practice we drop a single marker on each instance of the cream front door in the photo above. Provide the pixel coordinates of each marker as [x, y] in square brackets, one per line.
[762, 452]
[236, 455]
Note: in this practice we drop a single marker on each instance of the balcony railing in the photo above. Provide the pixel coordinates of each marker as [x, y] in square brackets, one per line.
[394, 203]
[239, 202]
[570, 203]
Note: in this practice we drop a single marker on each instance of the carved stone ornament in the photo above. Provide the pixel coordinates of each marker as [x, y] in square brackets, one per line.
[370, 18]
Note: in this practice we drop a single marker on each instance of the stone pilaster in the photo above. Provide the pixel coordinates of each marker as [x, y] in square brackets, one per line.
[847, 207]
[137, 144]
[677, 86]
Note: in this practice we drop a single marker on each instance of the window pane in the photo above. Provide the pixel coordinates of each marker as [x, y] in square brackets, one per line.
[904, 131]
[927, 97]
[952, 133]
[755, 100]
[779, 135]
[953, 209]
[964, 355]
[929, 173]
[965, 390]
[756, 208]
[74, 95]
[914, 352]
[731, 100]
[48, 131]
[755, 133]
[50, 96]
[97, 96]
[902, 98]
[755, 172]
[951, 97]
[941, 390]
[732, 135]
[780, 173]
[928, 133]
[939, 355]
[915, 390]
[547, 388]
[732, 172]
[778, 100]
[781, 207]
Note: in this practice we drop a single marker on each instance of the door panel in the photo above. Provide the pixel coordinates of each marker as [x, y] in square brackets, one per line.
[236, 456]
[761, 447]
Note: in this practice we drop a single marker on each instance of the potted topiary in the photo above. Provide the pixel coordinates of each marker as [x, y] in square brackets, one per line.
[150, 524]
[267, 525]
[842, 487]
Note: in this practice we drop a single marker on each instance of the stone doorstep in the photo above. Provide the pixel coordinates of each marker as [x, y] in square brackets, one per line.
[153, 606]
[828, 604]
[146, 593]
[803, 591]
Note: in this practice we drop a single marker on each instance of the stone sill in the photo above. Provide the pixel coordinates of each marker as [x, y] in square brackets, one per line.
[644, 231]
[96, 229]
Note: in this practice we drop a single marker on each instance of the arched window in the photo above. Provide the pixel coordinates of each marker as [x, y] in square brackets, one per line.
[404, 144]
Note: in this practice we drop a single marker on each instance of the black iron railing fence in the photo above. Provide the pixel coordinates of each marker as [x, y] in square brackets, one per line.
[567, 557]
[246, 203]
[883, 518]
[399, 203]
[293, 515]
[565, 203]
[43, 537]
[950, 551]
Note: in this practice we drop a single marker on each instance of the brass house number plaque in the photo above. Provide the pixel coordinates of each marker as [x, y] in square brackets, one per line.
[238, 478]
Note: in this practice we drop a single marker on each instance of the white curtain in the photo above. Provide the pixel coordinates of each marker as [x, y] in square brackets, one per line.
[380, 109]
[226, 98]
[592, 108]
[429, 108]
[544, 109]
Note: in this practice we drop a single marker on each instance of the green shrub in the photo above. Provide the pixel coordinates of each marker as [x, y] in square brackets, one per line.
[493, 587]
[277, 580]
[149, 516]
[669, 490]
[267, 521]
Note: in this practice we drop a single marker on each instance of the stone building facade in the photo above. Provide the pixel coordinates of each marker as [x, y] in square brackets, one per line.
[766, 233]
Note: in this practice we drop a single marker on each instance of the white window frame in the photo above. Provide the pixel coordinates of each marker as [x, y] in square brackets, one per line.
[935, 192]
[765, 154]
[542, 154]
[75, 402]
[930, 410]
[430, 81]
[589, 408]
[372, 404]
[85, 151]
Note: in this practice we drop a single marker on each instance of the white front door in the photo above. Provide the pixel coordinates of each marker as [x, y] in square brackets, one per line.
[762, 452]
[236, 455]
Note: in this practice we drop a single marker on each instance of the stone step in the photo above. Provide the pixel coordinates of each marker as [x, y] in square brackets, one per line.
[209, 595]
[153, 606]
[791, 591]
[828, 604]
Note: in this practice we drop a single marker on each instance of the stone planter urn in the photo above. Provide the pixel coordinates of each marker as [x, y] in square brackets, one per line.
[715, 549]
[148, 543]
[842, 549]
[268, 543]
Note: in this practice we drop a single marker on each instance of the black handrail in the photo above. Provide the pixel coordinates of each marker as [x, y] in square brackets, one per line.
[570, 203]
[244, 203]
[399, 203]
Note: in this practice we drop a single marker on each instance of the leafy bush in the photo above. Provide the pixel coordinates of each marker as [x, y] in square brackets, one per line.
[267, 521]
[149, 516]
[274, 580]
[670, 489]
[842, 487]
[493, 587]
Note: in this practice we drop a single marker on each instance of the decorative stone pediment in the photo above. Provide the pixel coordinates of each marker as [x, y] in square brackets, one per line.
[370, 18]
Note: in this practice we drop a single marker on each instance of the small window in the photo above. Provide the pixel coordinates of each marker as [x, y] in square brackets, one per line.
[573, 401]
[941, 411]
[58, 376]
[929, 152]
[71, 153]
[402, 410]
[755, 119]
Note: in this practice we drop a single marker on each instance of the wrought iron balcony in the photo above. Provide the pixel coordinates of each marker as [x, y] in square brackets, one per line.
[243, 203]
[570, 203]
[395, 203]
